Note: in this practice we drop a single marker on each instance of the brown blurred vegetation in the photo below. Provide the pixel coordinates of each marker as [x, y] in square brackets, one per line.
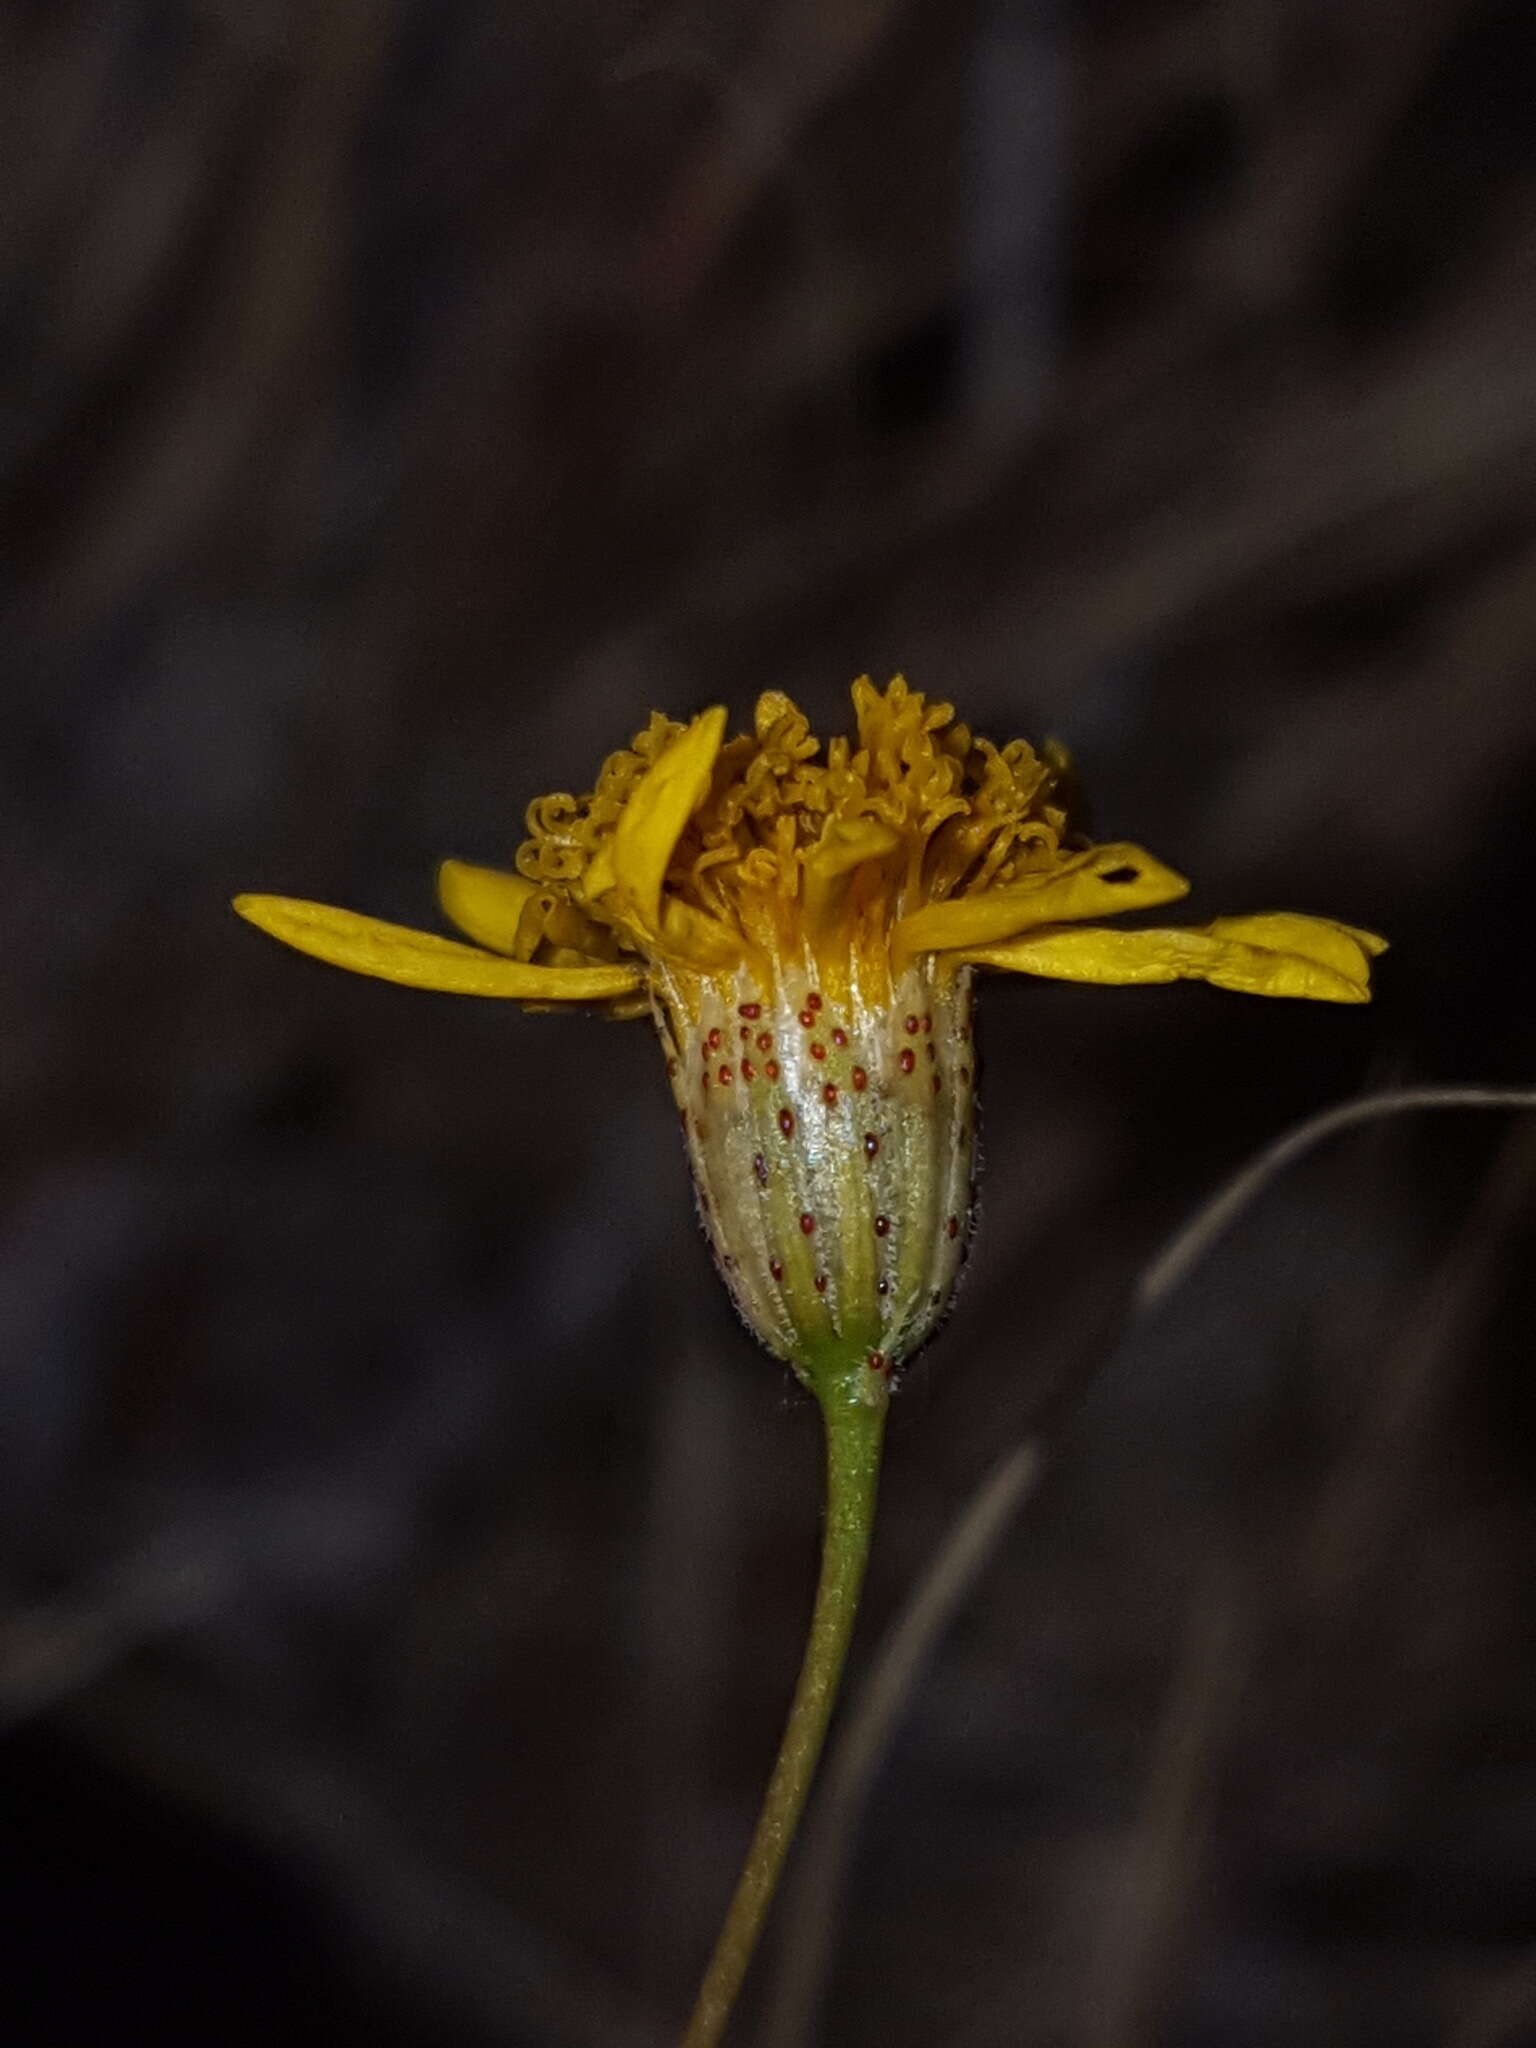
[404, 1558]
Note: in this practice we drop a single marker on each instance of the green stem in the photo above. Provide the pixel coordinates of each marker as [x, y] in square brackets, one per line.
[854, 1428]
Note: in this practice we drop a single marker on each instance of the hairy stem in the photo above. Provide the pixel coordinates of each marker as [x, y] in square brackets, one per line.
[854, 1430]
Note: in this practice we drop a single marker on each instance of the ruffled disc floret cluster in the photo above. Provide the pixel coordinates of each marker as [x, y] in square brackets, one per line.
[790, 848]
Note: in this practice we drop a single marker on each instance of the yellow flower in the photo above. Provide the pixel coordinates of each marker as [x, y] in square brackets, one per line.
[804, 925]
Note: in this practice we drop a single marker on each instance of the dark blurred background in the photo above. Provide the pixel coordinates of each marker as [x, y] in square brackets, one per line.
[404, 1559]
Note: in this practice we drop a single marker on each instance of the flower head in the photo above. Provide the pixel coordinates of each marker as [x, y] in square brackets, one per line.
[804, 924]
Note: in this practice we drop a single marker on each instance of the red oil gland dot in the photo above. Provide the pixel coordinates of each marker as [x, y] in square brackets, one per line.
[911, 1026]
[760, 1169]
[871, 1142]
[829, 1094]
[725, 1077]
[807, 1018]
[932, 1055]
[787, 1122]
[776, 1269]
[750, 1010]
[818, 1052]
[927, 1022]
[882, 1226]
[876, 1361]
[908, 1060]
[765, 1041]
[746, 1035]
[839, 1037]
[671, 1069]
[714, 1039]
[748, 1071]
[937, 1084]
[772, 1070]
[813, 1001]
[821, 1283]
[807, 1222]
[953, 1226]
[882, 1285]
[860, 1080]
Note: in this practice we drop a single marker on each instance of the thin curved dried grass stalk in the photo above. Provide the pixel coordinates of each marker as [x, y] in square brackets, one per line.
[1189, 1245]
[1370, 1494]
[973, 1539]
[1367, 1496]
[1161, 1857]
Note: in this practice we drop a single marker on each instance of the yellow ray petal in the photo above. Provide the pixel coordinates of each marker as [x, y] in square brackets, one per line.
[598, 877]
[703, 941]
[486, 903]
[652, 822]
[1099, 883]
[366, 945]
[845, 846]
[1101, 954]
[1343, 947]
